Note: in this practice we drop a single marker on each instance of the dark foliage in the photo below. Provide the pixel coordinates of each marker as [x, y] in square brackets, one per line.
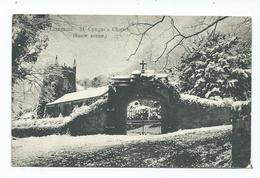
[218, 66]
[58, 80]
[28, 41]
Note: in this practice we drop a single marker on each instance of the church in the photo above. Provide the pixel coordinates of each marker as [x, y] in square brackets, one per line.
[64, 96]
[64, 105]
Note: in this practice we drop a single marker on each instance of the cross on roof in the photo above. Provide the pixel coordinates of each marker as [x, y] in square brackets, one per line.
[143, 64]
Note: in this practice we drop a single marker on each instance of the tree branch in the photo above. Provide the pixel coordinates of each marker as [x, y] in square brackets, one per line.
[175, 28]
[165, 48]
[143, 34]
[204, 29]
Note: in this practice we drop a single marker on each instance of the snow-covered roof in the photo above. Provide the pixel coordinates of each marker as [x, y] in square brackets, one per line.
[85, 94]
[162, 75]
[136, 72]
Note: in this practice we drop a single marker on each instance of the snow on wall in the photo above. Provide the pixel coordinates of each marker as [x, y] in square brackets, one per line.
[195, 112]
[191, 99]
[62, 125]
[44, 123]
[192, 112]
[88, 119]
[84, 110]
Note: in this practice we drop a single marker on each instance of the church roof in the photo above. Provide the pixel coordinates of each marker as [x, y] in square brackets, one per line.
[84, 94]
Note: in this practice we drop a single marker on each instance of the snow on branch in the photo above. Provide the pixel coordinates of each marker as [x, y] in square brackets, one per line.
[178, 35]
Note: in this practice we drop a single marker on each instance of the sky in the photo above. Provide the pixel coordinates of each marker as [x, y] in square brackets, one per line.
[101, 47]
[103, 53]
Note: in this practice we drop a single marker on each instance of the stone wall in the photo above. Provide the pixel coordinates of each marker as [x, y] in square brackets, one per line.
[86, 124]
[83, 121]
[191, 112]
[195, 112]
[89, 119]
[241, 136]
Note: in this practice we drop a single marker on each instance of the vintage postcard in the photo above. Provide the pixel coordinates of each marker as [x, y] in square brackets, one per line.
[131, 91]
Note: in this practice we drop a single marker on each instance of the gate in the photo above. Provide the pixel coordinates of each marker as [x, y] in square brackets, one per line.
[138, 85]
[143, 120]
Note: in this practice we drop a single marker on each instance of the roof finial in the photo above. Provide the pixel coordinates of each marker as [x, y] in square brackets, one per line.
[74, 63]
[56, 60]
[143, 64]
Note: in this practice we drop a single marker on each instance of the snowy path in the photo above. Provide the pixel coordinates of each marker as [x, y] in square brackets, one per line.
[66, 150]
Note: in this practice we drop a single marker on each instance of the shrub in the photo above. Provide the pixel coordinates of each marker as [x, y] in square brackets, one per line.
[217, 67]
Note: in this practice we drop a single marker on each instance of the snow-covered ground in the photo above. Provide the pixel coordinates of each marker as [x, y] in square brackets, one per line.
[42, 151]
[146, 130]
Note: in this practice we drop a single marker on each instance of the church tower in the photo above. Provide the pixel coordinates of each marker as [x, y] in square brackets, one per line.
[62, 80]
[74, 68]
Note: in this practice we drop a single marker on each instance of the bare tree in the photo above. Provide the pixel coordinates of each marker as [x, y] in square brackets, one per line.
[143, 29]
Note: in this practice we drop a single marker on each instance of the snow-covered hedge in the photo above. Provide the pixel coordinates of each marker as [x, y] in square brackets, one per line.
[47, 126]
[47, 122]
